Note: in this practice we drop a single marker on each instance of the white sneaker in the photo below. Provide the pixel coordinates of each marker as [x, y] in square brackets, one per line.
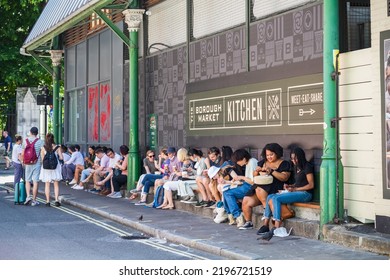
[72, 187]
[221, 216]
[240, 220]
[73, 182]
[77, 187]
[116, 195]
[110, 194]
[85, 180]
[28, 200]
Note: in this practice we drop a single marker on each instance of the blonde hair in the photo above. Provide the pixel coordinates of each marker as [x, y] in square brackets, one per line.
[182, 154]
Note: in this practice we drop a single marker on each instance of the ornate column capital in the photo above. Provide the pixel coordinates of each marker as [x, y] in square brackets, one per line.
[133, 18]
[56, 56]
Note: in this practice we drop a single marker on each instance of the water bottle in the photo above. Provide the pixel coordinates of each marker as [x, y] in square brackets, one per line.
[345, 216]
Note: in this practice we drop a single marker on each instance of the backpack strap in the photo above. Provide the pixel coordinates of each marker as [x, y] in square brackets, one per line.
[55, 149]
[35, 141]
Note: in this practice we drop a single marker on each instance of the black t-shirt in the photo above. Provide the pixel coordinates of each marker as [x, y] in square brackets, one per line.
[283, 167]
[300, 175]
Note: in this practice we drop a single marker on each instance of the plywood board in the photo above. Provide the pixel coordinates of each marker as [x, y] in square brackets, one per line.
[357, 159]
[360, 140]
[356, 192]
[356, 108]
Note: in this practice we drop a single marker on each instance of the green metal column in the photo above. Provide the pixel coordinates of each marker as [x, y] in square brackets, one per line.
[133, 18]
[56, 57]
[328, 190]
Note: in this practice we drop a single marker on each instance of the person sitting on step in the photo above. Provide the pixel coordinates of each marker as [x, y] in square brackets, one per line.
[300, 191]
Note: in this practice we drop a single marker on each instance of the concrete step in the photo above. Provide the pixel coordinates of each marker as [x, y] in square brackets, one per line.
[309, 228]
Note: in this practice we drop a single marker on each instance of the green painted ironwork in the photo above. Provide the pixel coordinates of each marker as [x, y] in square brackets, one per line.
[329, 166]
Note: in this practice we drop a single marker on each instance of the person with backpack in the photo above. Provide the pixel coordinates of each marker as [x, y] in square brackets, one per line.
[32, 162]
[51, 168]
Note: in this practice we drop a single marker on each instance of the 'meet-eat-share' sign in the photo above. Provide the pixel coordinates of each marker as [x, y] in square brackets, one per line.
[296, 106]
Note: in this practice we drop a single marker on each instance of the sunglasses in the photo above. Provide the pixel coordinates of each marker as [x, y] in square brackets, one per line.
[150, 156]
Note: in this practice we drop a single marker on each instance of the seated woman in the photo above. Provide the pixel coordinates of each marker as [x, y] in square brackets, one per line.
[185, 189]
[271, 164]
[149, 179]
[172, 183]
[213, 159]
[117, 180]
[151, 167]
[300, 191]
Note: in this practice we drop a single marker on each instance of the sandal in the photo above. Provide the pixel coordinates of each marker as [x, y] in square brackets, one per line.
[133, 196]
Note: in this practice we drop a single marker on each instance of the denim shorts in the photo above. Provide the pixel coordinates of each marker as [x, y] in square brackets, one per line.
[32, 172]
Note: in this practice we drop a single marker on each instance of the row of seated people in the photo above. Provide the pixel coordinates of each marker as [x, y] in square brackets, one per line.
[234, 182]
[103, 166]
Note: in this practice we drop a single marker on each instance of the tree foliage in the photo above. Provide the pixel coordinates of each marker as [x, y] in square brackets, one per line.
[17, 19]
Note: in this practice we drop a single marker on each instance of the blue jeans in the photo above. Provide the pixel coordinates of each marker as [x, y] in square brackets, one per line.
[230, 199]
[149, 180]
[284, 198]
[18, 172]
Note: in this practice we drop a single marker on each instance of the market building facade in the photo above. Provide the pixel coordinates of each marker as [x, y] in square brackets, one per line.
[237, 73]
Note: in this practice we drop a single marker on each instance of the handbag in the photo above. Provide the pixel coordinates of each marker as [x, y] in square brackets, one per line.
[117, 172]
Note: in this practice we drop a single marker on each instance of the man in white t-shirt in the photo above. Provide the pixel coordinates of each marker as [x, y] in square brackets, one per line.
[104, 177]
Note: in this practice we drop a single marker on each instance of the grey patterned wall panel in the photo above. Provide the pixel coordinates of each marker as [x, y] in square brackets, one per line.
[294, 37]
[221, 55]
[165, 92]
[289, 38]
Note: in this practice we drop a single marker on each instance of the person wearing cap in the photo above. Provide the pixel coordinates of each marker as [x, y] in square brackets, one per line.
[172, 184]
[32, 171]
[240, 157]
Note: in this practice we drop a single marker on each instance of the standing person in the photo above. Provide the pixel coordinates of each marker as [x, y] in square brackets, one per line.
[300, 191]
[51, 175]
[118, 180]
[8, 149]
[17, 159]
[33, 170]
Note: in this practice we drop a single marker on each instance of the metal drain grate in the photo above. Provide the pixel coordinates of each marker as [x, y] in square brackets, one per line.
[134, 237]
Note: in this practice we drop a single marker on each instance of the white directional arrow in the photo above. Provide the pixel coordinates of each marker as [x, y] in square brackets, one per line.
[302, 112]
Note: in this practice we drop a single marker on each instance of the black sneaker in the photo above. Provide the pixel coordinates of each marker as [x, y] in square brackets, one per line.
[262, 230]
[247, 225]
[47, 204]
[209, 204]
[57, 204]
[201, 204]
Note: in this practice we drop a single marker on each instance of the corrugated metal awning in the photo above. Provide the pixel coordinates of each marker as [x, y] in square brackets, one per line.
[58, 16]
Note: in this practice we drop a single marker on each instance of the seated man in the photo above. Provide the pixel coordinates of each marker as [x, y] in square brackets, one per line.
[102, 169]
[69, 167]
[105, 175]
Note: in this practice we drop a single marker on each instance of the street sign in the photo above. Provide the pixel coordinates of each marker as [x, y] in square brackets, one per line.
[305, 104]
[43, 99]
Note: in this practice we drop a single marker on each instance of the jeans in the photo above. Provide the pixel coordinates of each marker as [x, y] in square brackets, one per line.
[284, 198]
[85, 173]
[18, 172]
[149, 180]
[68, 171]
[230, 199]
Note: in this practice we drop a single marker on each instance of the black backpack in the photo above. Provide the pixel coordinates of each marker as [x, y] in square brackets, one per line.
[50, 160]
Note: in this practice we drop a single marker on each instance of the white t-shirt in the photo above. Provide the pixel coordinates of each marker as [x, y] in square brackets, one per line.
[114, 160]
[17, 150]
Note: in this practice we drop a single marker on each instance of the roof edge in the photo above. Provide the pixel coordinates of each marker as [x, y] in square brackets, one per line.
[63, 25]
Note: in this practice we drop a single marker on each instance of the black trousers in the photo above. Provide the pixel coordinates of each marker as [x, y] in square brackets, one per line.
[118, 181]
